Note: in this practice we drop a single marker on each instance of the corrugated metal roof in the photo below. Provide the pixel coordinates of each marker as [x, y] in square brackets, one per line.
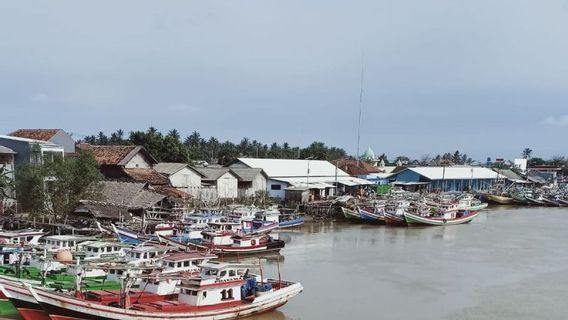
[449, 173]
[509, 174]
[349, 181]
[211, 174]
[279, 168]
[6, 150]
[246, 174]
[169, 168]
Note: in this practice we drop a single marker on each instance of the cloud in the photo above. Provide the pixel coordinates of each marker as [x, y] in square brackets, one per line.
[560, 121]
[182, 107]
[40, 97]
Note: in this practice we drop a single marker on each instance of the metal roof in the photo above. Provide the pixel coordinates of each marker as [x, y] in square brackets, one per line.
[6, 150]
[169, 168]
[280, 168]
[211, 174]
[348, 181]
[246, 174]
[454, 173]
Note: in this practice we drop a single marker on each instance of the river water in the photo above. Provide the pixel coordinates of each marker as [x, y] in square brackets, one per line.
[509, 263]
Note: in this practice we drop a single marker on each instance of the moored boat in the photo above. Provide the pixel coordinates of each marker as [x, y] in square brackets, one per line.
[453, 218]
[222, 291]
[499, 199]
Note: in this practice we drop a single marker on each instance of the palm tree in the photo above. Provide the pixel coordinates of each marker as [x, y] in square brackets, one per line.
[527, 152]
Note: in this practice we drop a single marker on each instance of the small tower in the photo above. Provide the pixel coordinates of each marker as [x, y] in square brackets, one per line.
[369, 156]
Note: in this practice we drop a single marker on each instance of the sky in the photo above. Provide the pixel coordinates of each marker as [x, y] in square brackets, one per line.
[486, 77]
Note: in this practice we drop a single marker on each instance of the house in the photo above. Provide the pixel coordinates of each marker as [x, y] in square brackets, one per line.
[319, 176]
[546, 172]
[120, 201]
[222, 179]
[55, 136]
[456, 178]
[30, 150]
[250, 181]
[181, 176]
[117, 162]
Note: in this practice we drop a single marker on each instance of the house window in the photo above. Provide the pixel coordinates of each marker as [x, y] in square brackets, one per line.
[275, 187]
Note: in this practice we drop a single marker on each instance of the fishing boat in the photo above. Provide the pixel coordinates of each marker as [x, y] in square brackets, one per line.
[372, 214]
[394, 213]
[289, 220]
[499, 199]
[238, 244]
[221, 291]
[450, 218]
[468, 202]
[21, 237]
[350, 214]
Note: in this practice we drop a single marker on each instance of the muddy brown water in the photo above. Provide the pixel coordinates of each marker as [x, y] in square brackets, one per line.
[509, 263]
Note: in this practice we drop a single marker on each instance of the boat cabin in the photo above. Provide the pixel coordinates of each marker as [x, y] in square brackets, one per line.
[65, 242]
[21, 237]
[218, 283]
[185, 261]
[224, 226]
[242, 213]
[217, 238]
[143, 254]
[100, 249]
[201, 221]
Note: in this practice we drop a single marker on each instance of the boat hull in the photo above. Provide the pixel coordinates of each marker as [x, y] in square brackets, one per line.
[272, 246]
[413, 219]
[499, 199]
[394, 220]
[61, 307]
[351, 214]
[22, 301]
[371, 217]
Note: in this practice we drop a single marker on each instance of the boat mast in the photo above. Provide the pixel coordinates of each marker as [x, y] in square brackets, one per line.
[360, 111]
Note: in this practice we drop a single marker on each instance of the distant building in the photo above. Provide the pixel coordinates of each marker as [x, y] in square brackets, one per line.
[250, 181]
[23, 149]
[521, 165]
[546, 172]
[456, 178]
[7, 165]
[118, 161]
[181, 175]
[318, 176]
[55, 136]
[222, 179]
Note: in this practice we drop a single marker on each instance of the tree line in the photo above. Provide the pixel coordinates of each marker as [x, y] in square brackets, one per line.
[171, 147]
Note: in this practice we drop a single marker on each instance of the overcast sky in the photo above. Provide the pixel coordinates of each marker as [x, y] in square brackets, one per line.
[487, 77]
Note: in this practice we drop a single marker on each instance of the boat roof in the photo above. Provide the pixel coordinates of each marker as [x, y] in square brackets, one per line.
[188, 256]
[100, 244]
[69, 237]
[19, 233]
[151, 248]
[225, 265]
[222, 223]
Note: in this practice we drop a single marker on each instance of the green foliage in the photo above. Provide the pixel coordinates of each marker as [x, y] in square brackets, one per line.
[55, 187]
[527, 152]
[170, 148]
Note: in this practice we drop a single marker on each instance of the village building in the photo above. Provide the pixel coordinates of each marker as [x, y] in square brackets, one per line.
[318, 177]
[544, 174]
[55, 136]
[446, 179]
[250, 181]
[30, 150]
[121, 201]
[221, 180]
[181, 176]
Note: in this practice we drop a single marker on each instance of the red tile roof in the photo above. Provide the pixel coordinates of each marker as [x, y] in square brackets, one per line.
[171, 192]
[146, 175]
[36, 134]
[356, 168]
[110, 155]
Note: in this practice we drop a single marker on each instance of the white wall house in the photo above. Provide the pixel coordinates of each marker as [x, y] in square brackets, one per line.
[222, 179]
[55, 136]
[181, 176]
[250, 181]
[320, 176]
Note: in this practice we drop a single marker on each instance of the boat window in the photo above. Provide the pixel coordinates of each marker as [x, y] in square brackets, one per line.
[138, 255]
[223, 273]
[186, 263]
[95, 249]
[204, 294]
[179, 264]
[172, 264]
[232, 273]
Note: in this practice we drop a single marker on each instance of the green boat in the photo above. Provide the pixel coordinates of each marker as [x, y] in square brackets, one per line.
[60, 281]
[351, 214]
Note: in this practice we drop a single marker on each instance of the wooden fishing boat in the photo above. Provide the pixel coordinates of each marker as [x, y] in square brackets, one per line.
[372, 215]
[499, 199]
[453, 218]
[222, 291]
[239, 244]
[351, 214]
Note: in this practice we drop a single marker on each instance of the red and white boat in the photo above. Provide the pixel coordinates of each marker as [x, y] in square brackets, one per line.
[221, 291]
[226, 243]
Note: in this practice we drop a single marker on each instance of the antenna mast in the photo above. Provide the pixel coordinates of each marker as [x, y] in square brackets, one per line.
[360, 111]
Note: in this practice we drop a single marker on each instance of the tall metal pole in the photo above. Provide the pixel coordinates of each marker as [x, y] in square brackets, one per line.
[360, 111]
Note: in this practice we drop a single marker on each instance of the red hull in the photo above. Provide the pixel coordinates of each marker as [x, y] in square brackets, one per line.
[394, 221]
[33, 314]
